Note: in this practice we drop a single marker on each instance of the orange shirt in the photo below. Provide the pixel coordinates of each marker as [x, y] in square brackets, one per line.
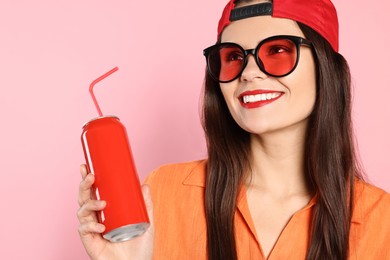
[180, 224]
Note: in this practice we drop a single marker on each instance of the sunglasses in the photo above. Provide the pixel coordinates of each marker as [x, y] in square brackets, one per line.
[276, 56]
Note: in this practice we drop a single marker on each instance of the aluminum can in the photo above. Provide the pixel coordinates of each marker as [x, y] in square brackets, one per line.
[108, 156]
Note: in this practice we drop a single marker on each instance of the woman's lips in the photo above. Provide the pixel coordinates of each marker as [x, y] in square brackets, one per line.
[258, 98]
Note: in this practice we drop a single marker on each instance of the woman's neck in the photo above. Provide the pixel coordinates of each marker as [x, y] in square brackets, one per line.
[278, 163]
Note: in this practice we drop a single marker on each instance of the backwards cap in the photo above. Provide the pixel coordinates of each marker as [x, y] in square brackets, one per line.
[319, 15]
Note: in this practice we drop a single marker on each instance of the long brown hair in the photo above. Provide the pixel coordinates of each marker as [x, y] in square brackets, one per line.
[330, 161]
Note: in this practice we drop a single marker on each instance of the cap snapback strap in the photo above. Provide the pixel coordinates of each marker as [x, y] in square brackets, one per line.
[251, 11]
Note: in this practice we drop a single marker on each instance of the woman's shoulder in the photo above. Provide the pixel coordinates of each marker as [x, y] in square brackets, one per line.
[178, 207]
[371, 201]
[370, 229]
[186, 173]
[370, 193]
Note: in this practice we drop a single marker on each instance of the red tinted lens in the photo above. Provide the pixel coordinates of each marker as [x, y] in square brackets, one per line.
[226, 62]
[278, 56]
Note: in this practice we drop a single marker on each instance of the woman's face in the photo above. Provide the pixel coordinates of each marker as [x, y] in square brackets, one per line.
[292, 96]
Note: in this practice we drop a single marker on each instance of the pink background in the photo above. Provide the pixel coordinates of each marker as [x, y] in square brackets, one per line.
[51, 50]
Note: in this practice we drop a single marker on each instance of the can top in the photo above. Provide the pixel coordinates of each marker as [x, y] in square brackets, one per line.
[100, 117]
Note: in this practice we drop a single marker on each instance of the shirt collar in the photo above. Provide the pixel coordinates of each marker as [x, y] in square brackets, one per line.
[197, 177]
[197, 174]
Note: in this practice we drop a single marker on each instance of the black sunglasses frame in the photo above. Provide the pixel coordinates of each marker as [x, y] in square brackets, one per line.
[298, 41]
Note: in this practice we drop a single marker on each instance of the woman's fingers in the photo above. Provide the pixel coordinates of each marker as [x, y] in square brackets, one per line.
[83, 171]
[87, 212]
[89, 228]
[85, 189]
[88, 206]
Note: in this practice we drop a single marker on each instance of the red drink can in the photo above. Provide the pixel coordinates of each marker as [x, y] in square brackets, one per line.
[108, 156]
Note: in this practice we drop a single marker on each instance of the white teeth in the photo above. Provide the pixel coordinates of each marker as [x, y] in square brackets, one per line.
[260, 97]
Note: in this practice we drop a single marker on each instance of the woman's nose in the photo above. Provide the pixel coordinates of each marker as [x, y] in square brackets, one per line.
[252, 70]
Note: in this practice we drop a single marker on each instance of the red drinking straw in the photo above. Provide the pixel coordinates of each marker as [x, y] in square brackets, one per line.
[94, 83]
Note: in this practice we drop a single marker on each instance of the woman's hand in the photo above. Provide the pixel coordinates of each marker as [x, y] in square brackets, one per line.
[90, 230]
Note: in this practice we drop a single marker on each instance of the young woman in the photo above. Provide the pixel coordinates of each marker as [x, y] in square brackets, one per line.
[281, 180]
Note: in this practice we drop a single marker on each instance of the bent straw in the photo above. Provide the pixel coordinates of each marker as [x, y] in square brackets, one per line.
[94, 83]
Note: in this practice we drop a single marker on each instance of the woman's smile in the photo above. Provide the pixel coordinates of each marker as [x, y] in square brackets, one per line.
[258, 98]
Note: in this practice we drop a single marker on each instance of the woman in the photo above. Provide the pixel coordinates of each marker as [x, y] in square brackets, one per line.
[281, 180]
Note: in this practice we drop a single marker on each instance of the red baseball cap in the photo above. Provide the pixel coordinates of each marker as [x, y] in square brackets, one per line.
[319, 15]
